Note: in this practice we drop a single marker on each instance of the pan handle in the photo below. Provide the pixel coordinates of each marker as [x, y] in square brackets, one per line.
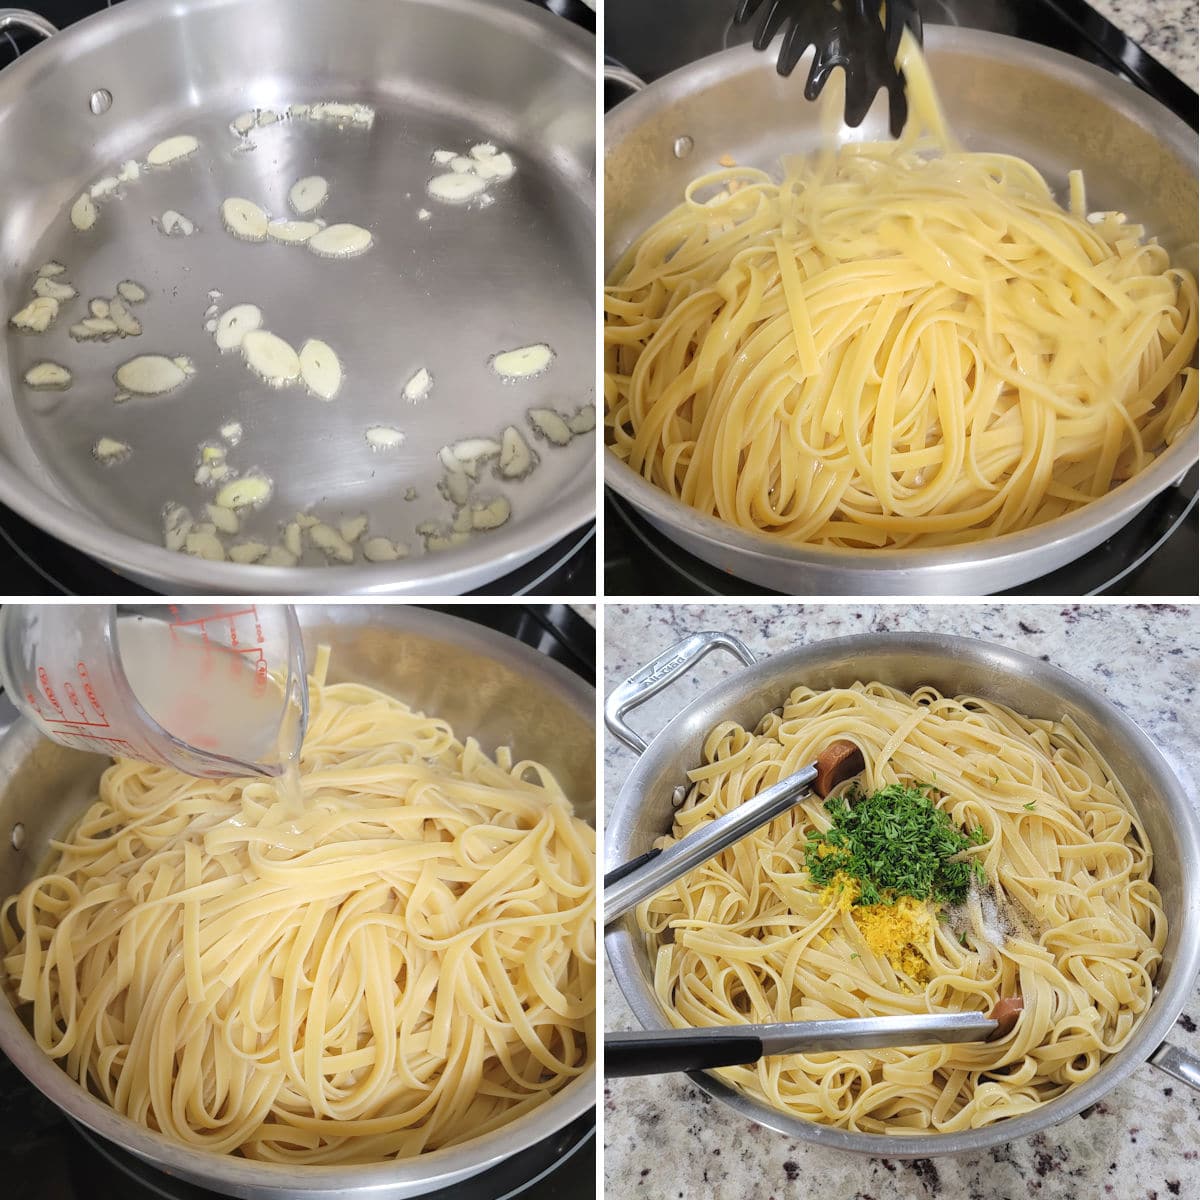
[623, 76]
[22, 18]
[1179, 1064]
[653, 677]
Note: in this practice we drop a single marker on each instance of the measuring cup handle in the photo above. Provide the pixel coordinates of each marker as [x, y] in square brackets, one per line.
[654, 676]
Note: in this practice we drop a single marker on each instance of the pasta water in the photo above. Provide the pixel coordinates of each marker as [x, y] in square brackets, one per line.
[213, 690]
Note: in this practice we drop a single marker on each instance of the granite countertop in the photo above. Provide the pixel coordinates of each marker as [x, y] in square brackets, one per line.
[664, 1139]
[1166, 29]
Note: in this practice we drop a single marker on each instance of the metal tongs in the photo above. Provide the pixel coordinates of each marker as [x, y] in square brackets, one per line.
[628, 885]
[655, 1052]
[852, 34]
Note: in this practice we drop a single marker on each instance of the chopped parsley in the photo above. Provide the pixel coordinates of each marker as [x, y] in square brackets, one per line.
[1030, 806]
[894, 842]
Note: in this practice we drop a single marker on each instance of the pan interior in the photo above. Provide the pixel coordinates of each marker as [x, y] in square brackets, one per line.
[443, 293]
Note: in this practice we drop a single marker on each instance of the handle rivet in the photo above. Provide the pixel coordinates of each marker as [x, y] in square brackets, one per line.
[683, 146]
[100, 101]
[17, 837]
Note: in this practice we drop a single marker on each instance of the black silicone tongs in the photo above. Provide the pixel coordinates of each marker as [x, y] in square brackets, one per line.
[852, 34]
[657, 1052]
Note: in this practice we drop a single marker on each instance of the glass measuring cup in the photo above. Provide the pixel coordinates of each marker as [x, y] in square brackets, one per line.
[216, 690]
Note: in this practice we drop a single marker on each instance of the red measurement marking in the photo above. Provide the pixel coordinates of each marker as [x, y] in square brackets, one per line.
[33, 702]
[47, 690]
[90, 691]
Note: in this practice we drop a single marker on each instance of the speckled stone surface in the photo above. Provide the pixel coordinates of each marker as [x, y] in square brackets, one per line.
[1165, 29]
[664, 1139]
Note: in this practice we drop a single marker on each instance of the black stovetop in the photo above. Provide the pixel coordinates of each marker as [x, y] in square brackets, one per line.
[43, 1156]
[1156, 554]
[33, 563]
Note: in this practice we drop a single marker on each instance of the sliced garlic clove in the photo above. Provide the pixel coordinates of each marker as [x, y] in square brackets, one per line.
[340, 241]
[522, 363]
[175, 224]
[306, 520]
[203, 544]
[54, 290]
[50, 269]
[442, 157]
[277, 556]
[127, 324]
[99, 307]
[455, 486]
[109, 451]
[244, 122]
[48, 376]
[496, 166]
[267, 117]
[583, 420]
[417, 388]
[483, 150]
[292, 539]
[235, 323]
[244, 219]
[133, 292]
[150, 375]
[517, 457]
[423, 214]
[550, 425]
[381, 549]
[130, 170]
[251, 491]
[37, 316]
[185, 364]
[455, 188]
[247, 552]
[225, 519]
[308, 194]
[83, 213]
[232, 432]
[99, 326]
[291, 232]
[270, 357]
[172, 149]
[103, 188]
[384, 437]
[352, 528]
[490, 515]
[471, 450]
[331, 543]
[320, 369]
[462, 166]
[177, 524]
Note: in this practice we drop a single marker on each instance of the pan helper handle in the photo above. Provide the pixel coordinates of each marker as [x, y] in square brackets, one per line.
[654, 676]
[860, 36]
[16, 19]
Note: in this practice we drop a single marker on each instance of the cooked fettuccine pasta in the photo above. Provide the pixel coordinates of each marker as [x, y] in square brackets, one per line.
[896, 344]
[401, 960]
[1054, 904]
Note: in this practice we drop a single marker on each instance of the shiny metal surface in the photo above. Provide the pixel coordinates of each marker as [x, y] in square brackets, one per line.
[444, 293]
[858, 1033]
[483, 683]
[1000, 94]
[705, 842]
[656, 675]
[644, 811]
